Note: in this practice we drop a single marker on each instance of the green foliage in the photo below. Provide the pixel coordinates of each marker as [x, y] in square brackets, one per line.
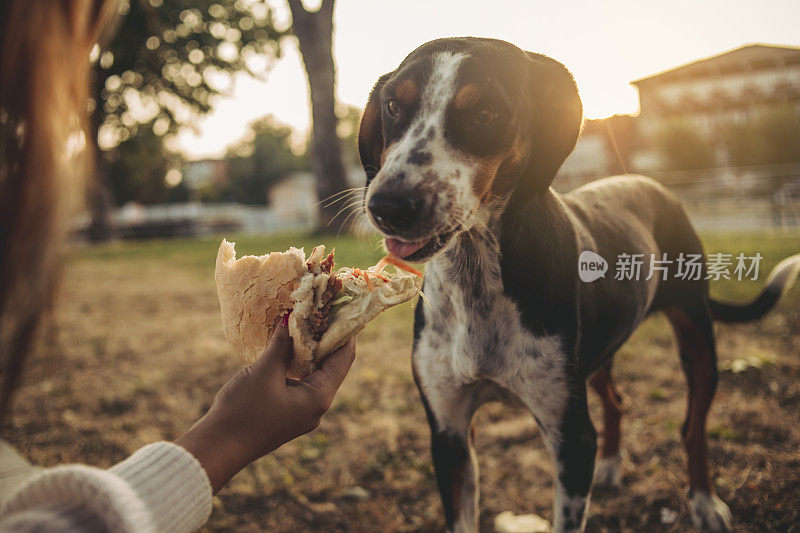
[349, 121]
[722, 432]
[139, 166]
[771, 137]
[260, 161]
[169, 58]
[682, 147]
[658, 393]
[265, 157]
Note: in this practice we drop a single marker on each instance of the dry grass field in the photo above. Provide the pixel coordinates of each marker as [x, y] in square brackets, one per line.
[135, 354]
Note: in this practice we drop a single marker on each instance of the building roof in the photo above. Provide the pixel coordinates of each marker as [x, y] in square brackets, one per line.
[746, 58]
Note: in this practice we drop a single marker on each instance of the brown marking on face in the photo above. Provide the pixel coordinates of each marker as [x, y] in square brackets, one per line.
[510, 167]
[369, 133]
[370, 118]
[385, 152]
[489, 180]
[482, 182]
[407, 91]
[467, 97]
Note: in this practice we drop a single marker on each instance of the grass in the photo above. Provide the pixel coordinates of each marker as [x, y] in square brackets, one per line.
[193, 254]
[135, 354]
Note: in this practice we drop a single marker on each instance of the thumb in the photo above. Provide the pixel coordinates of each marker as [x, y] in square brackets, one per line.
[278, 354]
[329, 377]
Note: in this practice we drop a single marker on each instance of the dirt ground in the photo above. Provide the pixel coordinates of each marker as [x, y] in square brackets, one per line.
[136, 354]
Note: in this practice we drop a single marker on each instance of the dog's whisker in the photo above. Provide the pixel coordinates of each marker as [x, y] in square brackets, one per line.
[342, 210]
[364, 229]
[378, 245]
[353, 207]
[333, 196]
[343, 192]
[344, 223]
[344, 198]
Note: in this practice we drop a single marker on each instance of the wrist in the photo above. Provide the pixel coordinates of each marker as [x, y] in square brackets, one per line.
[217, 450]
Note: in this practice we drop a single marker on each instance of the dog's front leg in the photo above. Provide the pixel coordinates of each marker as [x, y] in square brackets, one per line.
[559, 406]
[573, 445]
[449, 408]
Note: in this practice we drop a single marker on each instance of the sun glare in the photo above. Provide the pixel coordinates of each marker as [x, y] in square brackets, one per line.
[606, 45]
[602, 101]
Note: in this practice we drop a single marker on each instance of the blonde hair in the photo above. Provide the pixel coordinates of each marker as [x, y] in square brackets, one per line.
[45, 157]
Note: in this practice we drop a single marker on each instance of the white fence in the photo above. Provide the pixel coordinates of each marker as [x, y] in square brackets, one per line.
[736, 199]
[168, 220]
[739, 214]
[760, 198]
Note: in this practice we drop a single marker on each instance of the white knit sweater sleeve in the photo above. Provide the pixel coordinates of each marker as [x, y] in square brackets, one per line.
[161, 487]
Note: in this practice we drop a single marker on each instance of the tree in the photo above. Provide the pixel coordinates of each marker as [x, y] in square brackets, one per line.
[167, 61]
[169, 58]
[261, 161]
[771, 138]
[349, 122]
[314, 32]
[143, 170]
[682, 147]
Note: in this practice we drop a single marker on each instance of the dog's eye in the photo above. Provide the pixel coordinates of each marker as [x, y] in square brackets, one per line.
[484, 117]
[392, 107]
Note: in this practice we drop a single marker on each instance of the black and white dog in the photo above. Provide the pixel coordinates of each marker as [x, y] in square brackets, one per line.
[460, 144]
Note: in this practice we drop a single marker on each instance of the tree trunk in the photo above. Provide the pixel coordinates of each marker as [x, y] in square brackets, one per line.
[98, 200]
[314, 31]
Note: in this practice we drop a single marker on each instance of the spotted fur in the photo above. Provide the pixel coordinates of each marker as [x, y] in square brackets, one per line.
[408, 162]
[472, 342]
[468, 134]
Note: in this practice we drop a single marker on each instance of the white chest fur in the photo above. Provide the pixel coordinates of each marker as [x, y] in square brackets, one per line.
[474, 332]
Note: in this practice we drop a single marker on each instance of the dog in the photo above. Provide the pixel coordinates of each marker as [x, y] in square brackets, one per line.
[460, 145]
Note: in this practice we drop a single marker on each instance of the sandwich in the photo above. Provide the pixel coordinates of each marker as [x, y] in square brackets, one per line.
[326, 306]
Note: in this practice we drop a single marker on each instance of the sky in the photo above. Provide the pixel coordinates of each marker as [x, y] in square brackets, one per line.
[606, 44]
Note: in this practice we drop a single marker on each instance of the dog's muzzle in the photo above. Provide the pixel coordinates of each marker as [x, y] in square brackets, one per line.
[396, 213]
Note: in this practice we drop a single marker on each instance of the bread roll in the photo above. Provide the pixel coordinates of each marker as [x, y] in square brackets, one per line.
[255, 292]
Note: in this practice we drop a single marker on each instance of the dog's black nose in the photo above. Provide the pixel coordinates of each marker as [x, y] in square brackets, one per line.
[395, 212]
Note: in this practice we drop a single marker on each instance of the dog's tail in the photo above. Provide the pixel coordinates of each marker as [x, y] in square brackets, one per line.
[779, 281]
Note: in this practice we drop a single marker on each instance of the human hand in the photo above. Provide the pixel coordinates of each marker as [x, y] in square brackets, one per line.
[258, 410]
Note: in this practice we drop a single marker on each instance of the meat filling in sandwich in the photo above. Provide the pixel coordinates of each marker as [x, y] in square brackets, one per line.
[326, 306]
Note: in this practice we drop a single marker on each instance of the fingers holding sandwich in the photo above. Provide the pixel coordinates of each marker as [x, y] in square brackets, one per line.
[276, 360]
[323, 382]
[259, 410]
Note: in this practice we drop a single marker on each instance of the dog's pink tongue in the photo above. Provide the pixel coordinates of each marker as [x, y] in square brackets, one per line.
[403, 249]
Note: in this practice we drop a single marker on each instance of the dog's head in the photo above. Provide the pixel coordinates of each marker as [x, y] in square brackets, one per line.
[461, 124]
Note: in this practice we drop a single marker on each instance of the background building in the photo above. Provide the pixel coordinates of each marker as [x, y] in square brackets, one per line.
[734, 87]
[723, 133]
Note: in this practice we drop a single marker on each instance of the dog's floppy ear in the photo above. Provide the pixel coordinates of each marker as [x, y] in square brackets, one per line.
[555, 118]
[370, 132]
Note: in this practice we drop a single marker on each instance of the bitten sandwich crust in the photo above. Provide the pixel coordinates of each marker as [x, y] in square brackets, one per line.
[255, 292]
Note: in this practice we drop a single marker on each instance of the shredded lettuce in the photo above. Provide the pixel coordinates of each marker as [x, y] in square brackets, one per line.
[342, 299]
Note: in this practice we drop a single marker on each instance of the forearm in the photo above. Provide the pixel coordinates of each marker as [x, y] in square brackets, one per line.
[217, 451]
[258, 410]
[161, 487]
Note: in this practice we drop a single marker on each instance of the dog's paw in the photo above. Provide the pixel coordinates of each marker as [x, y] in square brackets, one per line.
[608, 472]
[709, 513]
